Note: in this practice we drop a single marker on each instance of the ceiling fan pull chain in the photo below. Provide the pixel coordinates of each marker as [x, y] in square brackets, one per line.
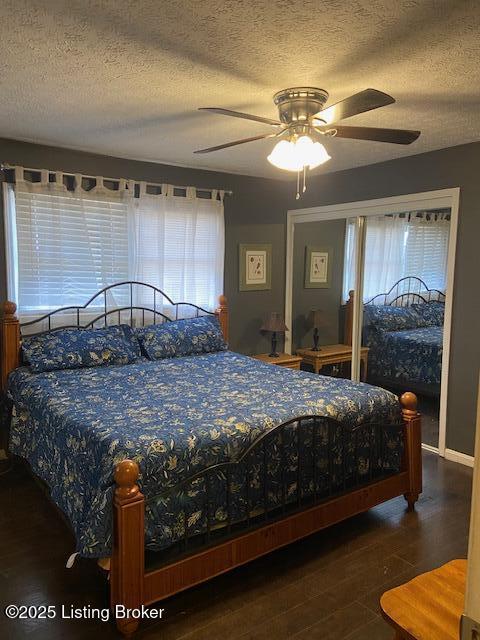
[297, 197]
[304, 178]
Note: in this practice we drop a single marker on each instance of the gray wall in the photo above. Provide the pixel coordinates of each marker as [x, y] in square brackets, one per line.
[251, 307]
[256, 212]
[254, 200]
[328, 234]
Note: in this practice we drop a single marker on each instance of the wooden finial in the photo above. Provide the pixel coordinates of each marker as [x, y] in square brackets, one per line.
[222, 313]
[9, 341]
[126, 476]
[408, 400]
[9, 310]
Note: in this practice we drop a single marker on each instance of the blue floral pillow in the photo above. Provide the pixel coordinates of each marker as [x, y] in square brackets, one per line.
[77, 348]
[388, 318]
[182, 338]
[432, 313]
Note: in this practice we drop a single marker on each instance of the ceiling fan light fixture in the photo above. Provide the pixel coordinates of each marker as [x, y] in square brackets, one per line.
[310, 154]
[303, 119]
[283, 156]
[297, 153]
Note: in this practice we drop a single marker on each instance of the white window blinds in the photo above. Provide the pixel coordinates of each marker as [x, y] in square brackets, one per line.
[426, 248]
[63, 246]
[68, 247]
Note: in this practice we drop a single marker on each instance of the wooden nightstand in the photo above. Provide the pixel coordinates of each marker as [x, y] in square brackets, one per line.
[283, 360]
[333, 354]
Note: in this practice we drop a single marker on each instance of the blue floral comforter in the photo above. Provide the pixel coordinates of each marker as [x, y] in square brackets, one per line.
[409, 356]
[174, 417]
[405, 343]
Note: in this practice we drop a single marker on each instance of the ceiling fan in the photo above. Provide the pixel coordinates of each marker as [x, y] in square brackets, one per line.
[304, 122]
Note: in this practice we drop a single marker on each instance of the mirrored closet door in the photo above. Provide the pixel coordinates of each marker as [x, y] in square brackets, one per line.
[321, 314]
[368, 301]
[404, 292]
[389, 321]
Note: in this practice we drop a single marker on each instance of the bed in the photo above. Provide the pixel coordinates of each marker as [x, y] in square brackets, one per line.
[209, 460]
[403, 329]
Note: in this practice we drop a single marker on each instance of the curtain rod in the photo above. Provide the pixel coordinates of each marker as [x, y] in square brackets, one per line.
[6, 166]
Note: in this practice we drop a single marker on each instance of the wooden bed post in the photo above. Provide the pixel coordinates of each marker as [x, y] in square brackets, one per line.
[222, 313]
[128, 558]
[10, 341]
[413, 447]
[348, 324]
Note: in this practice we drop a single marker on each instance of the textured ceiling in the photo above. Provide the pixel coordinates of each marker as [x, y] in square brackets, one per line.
[126, 77]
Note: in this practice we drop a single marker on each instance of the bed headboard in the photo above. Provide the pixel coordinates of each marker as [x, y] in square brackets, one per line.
[130, 302]
[406, 291]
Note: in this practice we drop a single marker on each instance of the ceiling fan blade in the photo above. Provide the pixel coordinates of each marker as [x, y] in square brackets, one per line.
[235, 142]
[352, 106]
[239, 114]
[396, 136]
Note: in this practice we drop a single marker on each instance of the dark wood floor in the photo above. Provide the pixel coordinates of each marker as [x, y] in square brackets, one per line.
[429, 407]
[327, 586]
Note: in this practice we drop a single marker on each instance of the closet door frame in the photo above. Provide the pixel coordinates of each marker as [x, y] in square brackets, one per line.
[441, 198]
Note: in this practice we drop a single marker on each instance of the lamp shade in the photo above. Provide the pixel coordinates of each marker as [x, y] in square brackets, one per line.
[274, 322]
[316, 317]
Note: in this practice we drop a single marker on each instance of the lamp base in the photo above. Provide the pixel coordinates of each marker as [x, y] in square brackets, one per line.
[273, 353]
[315, 340]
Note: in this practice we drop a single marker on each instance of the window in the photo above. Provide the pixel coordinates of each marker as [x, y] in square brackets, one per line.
[180, 245]
[426, 249]
[400, 245]
[67, 248]
[63, 246]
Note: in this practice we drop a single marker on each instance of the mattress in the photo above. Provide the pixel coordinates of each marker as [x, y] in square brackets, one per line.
[178, 416]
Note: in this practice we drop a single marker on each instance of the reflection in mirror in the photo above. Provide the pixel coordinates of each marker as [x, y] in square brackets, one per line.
[404, 283]
[318, 308]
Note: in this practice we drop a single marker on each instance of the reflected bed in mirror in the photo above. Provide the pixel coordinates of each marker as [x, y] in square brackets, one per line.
[403, 331]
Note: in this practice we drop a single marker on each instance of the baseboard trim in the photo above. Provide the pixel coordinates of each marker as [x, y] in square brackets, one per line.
[428, 447]
[458, 456]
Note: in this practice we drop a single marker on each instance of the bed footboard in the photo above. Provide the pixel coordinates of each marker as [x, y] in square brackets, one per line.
[132, 586]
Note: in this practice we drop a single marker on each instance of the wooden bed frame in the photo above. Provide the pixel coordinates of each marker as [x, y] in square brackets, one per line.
[405, 292]
[132, 585]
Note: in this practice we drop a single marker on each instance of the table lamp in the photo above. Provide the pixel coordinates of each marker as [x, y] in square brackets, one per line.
[316, 315]
[275, 324]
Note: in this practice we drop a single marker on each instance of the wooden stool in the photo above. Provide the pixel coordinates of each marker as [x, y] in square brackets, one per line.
[430, 606]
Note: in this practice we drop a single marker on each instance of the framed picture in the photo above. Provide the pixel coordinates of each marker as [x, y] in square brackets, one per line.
[255, 267]
[318, 267]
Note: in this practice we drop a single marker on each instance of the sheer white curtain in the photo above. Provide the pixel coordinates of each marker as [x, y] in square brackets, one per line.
[11, 253]
[384, 254]
[397, 246]
[64, 245]
[349, 259]
[179, 244]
